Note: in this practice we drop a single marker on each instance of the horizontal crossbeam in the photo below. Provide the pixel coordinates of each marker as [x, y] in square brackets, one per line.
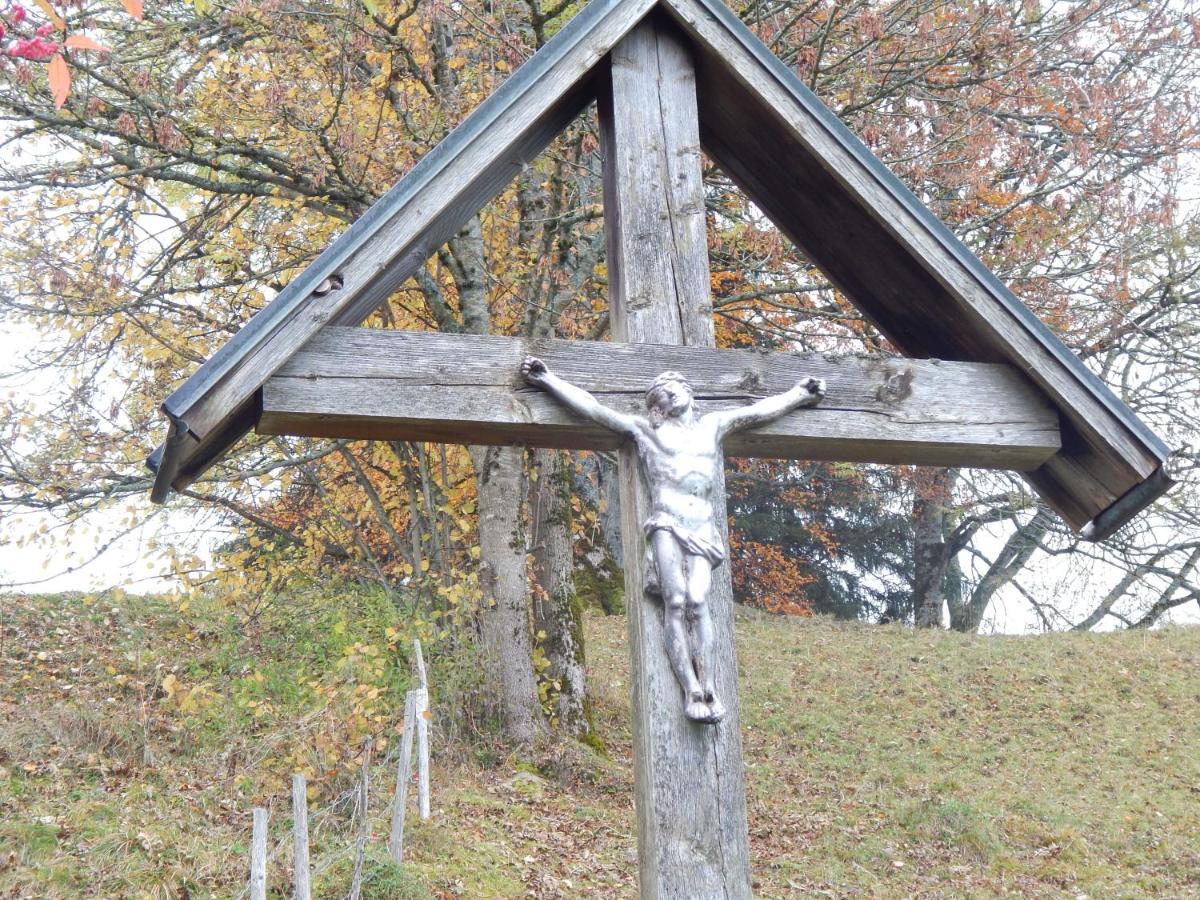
[395, 385]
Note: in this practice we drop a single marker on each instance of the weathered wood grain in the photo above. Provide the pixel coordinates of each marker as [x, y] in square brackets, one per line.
[690, 794]
[369, 383]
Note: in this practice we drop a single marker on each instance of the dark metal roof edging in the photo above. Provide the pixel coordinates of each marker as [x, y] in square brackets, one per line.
[431, 163]
[1128, 505]
[888, 180]
[164, 461]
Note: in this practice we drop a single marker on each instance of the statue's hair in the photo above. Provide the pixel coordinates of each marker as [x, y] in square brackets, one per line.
[654, 394]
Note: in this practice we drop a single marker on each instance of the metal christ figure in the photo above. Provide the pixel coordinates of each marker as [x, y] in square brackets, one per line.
[679, 451]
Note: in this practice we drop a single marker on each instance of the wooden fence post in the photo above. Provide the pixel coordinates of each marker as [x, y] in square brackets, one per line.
[258, 856]
[422, 717]
[423, 735]
[396, 844]
[300, 836]
[364, 826]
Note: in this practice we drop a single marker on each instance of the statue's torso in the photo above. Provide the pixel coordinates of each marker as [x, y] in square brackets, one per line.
[679, 463]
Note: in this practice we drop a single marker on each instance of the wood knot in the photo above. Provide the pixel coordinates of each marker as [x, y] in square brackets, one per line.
[749, 382]
[896, 386]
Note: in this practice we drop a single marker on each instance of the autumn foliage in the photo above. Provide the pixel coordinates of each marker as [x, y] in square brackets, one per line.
[203, 153]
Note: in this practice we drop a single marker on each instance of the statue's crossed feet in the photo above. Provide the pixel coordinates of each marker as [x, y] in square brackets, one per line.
[704, 707]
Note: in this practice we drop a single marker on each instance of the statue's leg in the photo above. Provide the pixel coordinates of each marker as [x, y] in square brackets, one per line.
[669, 560]
[699, 580]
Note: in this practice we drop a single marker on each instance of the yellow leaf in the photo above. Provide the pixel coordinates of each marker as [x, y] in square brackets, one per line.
[44, 6]
[60, 80]
[426, 714]
[79, 42]
[133, 7]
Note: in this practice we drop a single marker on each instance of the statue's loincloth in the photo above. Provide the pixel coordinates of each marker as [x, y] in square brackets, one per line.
[704, 541]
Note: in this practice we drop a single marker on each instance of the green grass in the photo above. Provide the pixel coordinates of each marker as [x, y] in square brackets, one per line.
[880, 762]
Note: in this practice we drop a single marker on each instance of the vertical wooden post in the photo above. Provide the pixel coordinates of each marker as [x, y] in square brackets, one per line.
[403, 768]
[258, 856]
[420, 657]
[690, 793]
[364, 822]
[300, 837]
[422, 736]
[422, 717]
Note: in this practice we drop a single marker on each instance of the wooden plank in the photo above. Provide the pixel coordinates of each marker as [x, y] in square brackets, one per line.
[690, 795]
[370, 383]
[910, 276]
[449, 185]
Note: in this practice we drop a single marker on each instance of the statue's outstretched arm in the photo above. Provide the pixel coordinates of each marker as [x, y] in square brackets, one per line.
[575, 398]
[809, 392]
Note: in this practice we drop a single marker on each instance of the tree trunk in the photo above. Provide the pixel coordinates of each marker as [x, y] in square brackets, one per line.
[929, 508]
[500, 476]
[557, 612]
[601, 578]
[1008, 564]
[504, 618]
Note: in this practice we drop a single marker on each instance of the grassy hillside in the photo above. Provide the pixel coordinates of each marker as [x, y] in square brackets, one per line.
[135, 738]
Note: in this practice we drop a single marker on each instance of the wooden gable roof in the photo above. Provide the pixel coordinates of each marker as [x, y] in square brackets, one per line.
[818, 183]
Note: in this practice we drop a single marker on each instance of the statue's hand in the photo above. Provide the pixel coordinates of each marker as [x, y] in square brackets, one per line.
[534, 371]
[814, 387]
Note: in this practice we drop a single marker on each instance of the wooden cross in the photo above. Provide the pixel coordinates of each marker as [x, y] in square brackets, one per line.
[1016, 398]
[691, 808]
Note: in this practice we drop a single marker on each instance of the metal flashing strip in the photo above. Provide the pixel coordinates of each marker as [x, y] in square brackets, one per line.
[888, 180]
[1127, 506]
[165, 461]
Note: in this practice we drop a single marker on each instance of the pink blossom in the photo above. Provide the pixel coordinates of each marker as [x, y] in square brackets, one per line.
[36, 49]
[18, 14]
[44, 30]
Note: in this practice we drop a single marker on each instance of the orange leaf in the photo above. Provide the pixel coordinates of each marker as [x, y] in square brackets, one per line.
[79, 42]
[60, 80]
[44, 6]
[133, 7]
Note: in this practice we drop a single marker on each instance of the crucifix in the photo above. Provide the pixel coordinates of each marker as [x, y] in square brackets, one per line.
[679, 452]
[1003, 393]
